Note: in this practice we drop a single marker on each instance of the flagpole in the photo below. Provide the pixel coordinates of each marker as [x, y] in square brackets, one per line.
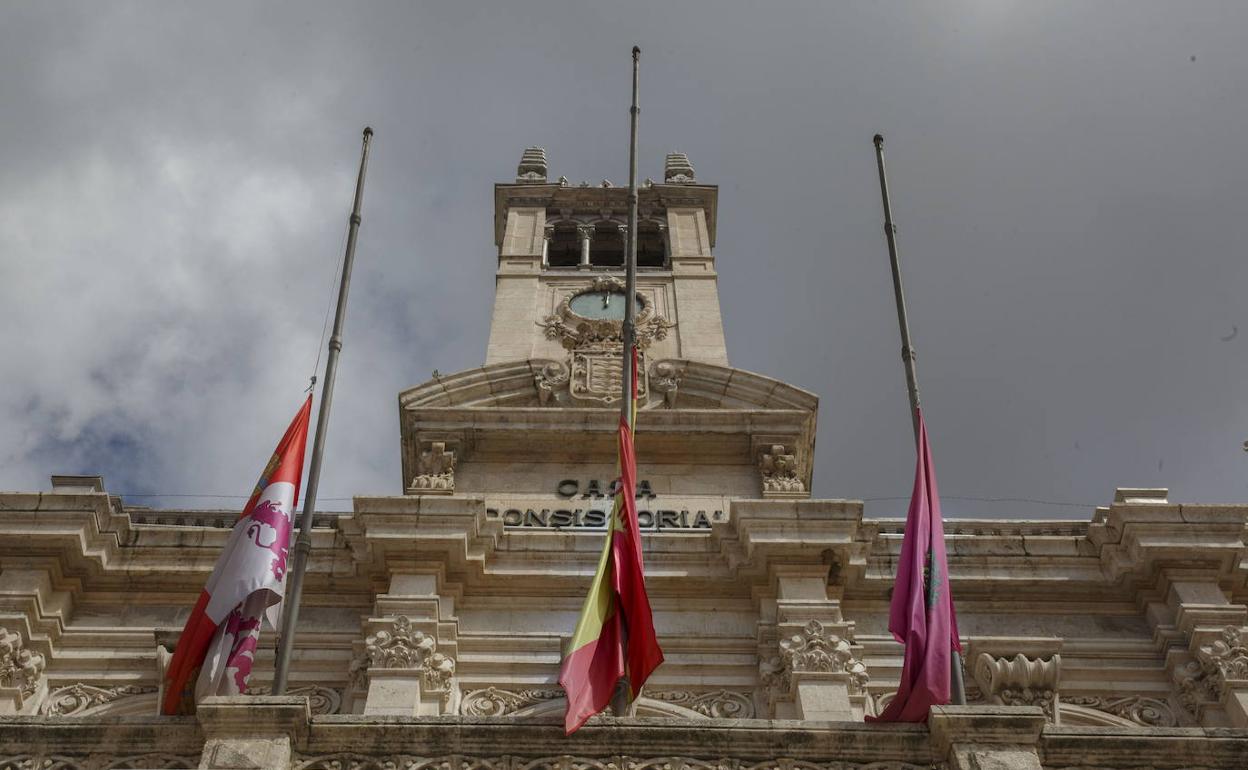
[620, 702]
[957, 690]
[299, 561]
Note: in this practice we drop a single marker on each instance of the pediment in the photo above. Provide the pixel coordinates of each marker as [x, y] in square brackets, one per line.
[529, 412]
[671, 383]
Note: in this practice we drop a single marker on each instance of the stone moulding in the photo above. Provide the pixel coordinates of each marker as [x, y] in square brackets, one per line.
[96, 762]
[350, 761]
[711, 704]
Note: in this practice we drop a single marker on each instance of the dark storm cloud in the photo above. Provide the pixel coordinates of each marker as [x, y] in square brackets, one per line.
[1067, 181]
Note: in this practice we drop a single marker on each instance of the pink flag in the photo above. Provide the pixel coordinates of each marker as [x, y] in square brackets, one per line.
[217, 647]
[921, 614]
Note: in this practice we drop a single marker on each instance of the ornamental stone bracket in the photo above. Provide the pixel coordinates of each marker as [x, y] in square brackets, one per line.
[402, 672]
[435, 469]
[21, 673]
[551, 380]
[782, 474]
[1211, 681]
[1020, 681]
[817, 675]
[665, 379]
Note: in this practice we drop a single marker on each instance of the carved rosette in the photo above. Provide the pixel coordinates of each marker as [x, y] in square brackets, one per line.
[1020, 681]
[780, 473]
[814, 649]
[404, 647]
[21, 668]
[435, 470]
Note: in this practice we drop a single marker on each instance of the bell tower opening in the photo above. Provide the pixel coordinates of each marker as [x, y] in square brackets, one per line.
[564, 249]
[607, 247]
[651, 251]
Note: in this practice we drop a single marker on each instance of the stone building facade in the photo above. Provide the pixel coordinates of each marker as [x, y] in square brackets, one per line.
[433, 621]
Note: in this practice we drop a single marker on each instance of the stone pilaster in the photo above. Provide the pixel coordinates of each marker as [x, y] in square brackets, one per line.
[401, 671]
[986, 737]
[813, 672]
[251, 731]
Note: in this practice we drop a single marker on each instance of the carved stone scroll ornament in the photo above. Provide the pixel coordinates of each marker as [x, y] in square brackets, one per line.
[780, 473]
[715, 704]
[404, 647]
[1020, 681]
[21, 668]
[321, 700]
[82, 698]
[1147, 712]
[435, 470]
[493, 702]
[813, 649]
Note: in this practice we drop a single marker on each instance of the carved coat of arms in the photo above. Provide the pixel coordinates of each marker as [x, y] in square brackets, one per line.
[588, 323]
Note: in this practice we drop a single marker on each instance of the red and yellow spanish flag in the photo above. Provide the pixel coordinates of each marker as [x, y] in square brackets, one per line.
[614, 636]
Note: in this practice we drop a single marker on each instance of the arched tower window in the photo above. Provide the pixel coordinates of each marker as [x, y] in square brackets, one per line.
[651, 251]
[564, 249]
[607, 247]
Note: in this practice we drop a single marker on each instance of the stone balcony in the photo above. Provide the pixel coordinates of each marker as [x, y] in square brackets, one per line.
[280, 732]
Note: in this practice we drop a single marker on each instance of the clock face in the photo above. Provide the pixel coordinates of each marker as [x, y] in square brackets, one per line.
[601, 305]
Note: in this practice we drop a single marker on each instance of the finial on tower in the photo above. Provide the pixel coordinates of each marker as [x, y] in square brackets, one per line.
[532, 166]
[678, 169]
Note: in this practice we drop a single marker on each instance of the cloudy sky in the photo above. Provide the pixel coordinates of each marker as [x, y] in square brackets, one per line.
[1068, 180]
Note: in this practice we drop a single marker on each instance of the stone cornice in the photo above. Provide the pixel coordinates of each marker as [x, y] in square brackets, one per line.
[596, 198]
[1136, 540]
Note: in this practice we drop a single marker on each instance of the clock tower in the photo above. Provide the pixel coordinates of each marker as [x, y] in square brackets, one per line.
[540, 411]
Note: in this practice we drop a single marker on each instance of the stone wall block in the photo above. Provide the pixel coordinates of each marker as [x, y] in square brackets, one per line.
[252, 731]
[987, 737]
